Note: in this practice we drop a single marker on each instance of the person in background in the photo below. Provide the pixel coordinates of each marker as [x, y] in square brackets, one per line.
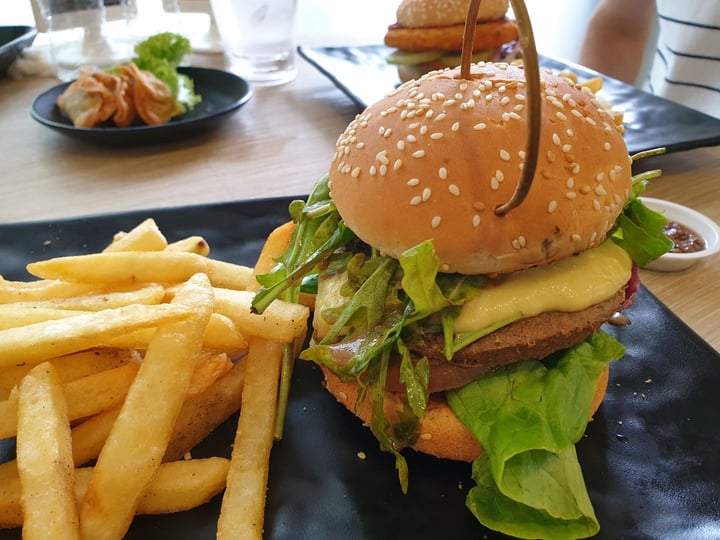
[685, 67]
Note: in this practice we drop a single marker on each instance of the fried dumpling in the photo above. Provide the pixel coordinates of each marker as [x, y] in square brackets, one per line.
[153, 99]
[87, 101]
[119, 85]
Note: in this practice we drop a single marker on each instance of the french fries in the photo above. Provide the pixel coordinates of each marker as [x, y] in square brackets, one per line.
[136, 354]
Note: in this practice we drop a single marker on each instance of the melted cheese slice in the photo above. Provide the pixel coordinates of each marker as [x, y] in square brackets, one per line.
[572, 284]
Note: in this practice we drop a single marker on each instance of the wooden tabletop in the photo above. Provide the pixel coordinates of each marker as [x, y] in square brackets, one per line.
[279, 143]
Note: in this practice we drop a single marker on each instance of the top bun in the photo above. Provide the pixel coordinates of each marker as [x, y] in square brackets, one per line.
[425, 13]
[435, 157]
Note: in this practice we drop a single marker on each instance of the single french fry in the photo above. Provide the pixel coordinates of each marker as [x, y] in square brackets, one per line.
[229, 275]
[177, 486]
[209, 367]
[37, 342]
[202, 413]
[191, 244]
[74, 366]
[122, 267]
[274, 246]
[44, 458]
[85, 397]
[144, 237]
[164, 377]
[221, 334]
[148, 294]
[243, 505]
[281, 321]
[29, 291]
[12, 316]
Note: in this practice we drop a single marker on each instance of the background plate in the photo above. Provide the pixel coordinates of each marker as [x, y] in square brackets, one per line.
[13, 39]
[222, 94]
[650, 121]
[650, 458]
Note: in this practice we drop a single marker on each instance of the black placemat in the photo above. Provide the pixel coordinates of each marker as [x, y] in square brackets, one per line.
[651, 457]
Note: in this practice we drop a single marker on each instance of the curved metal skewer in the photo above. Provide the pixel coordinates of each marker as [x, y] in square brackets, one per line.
[533, 99]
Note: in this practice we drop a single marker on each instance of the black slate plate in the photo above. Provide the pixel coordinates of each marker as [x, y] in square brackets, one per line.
[650, 458]
[222, 93]
[650, 121]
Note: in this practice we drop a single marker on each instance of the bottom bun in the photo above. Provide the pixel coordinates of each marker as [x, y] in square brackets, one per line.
[441, 433]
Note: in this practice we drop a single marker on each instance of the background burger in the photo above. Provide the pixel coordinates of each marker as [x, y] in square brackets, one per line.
[428, 35]
[459, 332]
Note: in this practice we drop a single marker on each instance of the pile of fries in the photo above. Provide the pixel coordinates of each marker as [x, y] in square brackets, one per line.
[115, 365]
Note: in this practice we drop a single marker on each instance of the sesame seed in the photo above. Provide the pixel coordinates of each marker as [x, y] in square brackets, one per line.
[355, 172]
[397, 164]
[411, 138]
[480, 126]
[401, 145]
[477, 205]
[435, 223]
[435, 136]
[440, 116]
[426, 194]
[576, 237]
[360, 145]
[423, 130]
[576, 113]
[552, 206]
[514, 115]
[413, 182]
[607, 146]
[373, 170]
[476, 221]
[504, 155]
[612, 174]
[505, 117]
[550, 156]
[454, 190]
[569, 132]
[585, 189]
[571, 195]
[599, 177]
[570, 183]
[505, 100]
[415, 200]
[560, 116]
[600, 190]
[383, 170]
[442, 173]
[556, 139]
[494, 184]
[455, 126]
[590, 121]
[566, 148]
[499, 175]
[596, 205]
[418, 153]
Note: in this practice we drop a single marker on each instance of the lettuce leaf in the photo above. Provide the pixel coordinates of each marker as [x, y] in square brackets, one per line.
[527, 417]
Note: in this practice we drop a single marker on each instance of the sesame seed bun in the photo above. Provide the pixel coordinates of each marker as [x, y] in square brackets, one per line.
[435, 157]
[441, 432]
[425, 13]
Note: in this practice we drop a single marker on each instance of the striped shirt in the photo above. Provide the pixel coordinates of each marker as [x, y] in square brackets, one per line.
[686, 66]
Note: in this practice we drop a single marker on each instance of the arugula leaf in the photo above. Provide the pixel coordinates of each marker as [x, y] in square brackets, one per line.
[319, 232]
[527, 417]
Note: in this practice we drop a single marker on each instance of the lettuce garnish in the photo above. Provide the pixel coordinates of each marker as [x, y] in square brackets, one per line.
[161, 54]
[529, 482]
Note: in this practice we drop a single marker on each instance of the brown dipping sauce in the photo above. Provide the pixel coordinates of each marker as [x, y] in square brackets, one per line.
[686, 240]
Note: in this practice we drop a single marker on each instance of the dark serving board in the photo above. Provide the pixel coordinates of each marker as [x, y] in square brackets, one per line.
[651, 457]
[650, 121]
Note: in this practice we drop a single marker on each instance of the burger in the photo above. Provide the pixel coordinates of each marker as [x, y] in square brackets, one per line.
[455, 329]
[428, 35]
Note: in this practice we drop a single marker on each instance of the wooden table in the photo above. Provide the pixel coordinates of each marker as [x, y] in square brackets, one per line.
[280, 143]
